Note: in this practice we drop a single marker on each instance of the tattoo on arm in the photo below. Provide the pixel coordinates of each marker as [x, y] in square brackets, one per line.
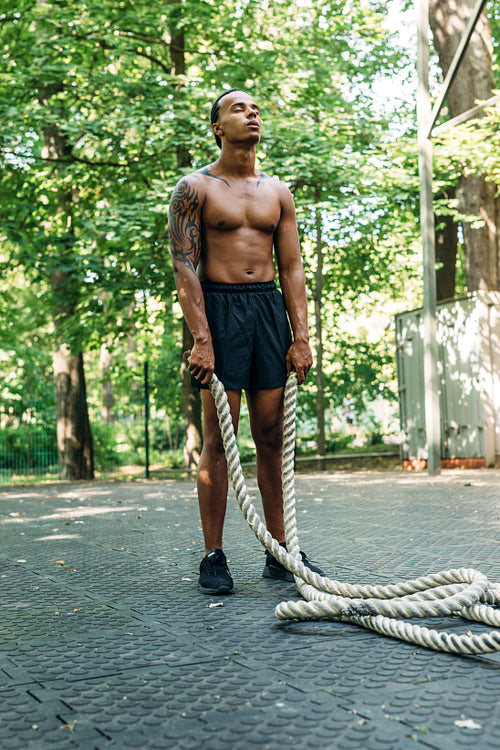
[184, 225]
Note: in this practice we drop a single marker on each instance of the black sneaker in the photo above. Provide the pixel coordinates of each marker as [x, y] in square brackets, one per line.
[274, 569]
[214, 574]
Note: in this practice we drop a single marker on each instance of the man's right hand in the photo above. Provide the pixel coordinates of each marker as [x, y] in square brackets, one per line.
[202, 362]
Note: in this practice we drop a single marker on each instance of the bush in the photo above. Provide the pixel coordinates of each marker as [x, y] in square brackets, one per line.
[106, 446]
[338, 441]
[28, 448]
[375, 437]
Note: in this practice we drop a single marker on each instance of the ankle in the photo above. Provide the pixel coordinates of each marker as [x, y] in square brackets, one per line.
[208, 550]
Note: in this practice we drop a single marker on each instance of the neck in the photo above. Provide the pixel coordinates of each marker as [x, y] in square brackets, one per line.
[237, 160]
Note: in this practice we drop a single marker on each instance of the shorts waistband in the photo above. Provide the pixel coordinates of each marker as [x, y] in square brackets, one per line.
[255, 287]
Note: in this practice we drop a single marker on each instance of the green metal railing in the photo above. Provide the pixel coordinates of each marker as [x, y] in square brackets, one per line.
[28, 452]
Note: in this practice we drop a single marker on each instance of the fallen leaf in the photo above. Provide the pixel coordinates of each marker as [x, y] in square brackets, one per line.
[468, 724]
[59, 562]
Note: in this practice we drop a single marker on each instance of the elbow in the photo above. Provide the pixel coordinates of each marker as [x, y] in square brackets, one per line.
[290, 272]
[185, 279]
[182, 270]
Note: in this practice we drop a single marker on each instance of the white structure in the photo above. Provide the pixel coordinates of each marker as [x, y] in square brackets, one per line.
[468, 336]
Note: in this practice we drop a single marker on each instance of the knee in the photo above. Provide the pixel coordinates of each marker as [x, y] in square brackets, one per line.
[213, 444]
[269, 437]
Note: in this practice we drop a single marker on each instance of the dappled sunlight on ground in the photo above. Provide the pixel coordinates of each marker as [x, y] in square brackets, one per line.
[71, 513]
[53, 537]
[448, 476]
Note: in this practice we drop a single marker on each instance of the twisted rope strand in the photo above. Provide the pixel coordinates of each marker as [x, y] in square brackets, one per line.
[465, 592]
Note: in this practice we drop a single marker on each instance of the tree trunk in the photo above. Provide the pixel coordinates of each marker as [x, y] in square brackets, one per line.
[446, 255]
[474, 82]
[74, 437]
[191, 401]
[318, 297]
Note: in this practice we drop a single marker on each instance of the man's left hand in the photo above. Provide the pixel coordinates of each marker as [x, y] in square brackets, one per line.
[300, 359]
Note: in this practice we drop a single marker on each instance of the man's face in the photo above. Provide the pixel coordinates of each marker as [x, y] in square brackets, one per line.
[239, 119]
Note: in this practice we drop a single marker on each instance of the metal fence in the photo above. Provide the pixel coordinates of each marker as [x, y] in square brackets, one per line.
[26, 453]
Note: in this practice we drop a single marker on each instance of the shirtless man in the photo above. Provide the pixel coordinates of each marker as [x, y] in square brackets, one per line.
[224, 221]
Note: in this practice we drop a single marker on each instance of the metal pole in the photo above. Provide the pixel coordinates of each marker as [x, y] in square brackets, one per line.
[146, 418]
[470, 114]
[455, 64]
[431, 353]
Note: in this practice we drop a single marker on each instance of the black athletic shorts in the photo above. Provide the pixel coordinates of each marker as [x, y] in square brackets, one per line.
[250, 334]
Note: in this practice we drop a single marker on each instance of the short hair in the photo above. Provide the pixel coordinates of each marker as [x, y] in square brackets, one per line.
[214, 113]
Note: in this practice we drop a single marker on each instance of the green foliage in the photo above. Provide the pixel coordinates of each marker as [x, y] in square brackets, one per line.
[32, 449]
[86, 119]
[26, 380]
[338, 441]
[96, 130]
[106, 446]
[123, 444]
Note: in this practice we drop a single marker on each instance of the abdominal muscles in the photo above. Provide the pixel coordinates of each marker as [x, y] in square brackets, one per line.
[237, 257]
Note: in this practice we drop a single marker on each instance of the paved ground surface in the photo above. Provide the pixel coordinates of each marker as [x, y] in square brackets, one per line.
[106, 641]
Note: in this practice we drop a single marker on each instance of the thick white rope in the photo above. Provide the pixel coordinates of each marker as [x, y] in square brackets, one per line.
[462, 592]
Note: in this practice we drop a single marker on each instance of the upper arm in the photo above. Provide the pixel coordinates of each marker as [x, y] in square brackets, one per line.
[184, 222]
[286, 239]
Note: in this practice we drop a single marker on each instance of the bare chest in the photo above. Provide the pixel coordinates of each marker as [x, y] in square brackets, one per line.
[246, 206]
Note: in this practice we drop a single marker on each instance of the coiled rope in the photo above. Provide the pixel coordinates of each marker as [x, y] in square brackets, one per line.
[462, 592]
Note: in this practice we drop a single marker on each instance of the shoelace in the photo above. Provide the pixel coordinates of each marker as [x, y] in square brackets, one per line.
[216, 565]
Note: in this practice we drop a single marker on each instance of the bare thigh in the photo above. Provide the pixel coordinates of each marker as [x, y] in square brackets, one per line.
[211, 428]
[265, 409]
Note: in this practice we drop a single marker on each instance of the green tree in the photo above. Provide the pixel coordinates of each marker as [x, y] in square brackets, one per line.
[26, 391]
[105, 106]
[330, 142]
[85, 98]
[471, 202]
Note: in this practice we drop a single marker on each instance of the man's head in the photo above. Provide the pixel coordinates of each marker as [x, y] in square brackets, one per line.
[233, 101]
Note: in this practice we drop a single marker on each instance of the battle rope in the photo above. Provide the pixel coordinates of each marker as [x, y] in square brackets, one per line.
[462, 592]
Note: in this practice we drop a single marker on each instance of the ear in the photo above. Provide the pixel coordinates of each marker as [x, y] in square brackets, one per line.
[217, 130]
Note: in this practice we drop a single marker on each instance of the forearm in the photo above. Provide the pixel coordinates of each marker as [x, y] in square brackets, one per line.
[192, 303]
[293, 287]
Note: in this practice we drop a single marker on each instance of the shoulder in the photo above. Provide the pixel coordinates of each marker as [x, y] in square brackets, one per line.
[286, 197]
[193, 180]
[188, 191]
[201, 180]
[275, 184]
